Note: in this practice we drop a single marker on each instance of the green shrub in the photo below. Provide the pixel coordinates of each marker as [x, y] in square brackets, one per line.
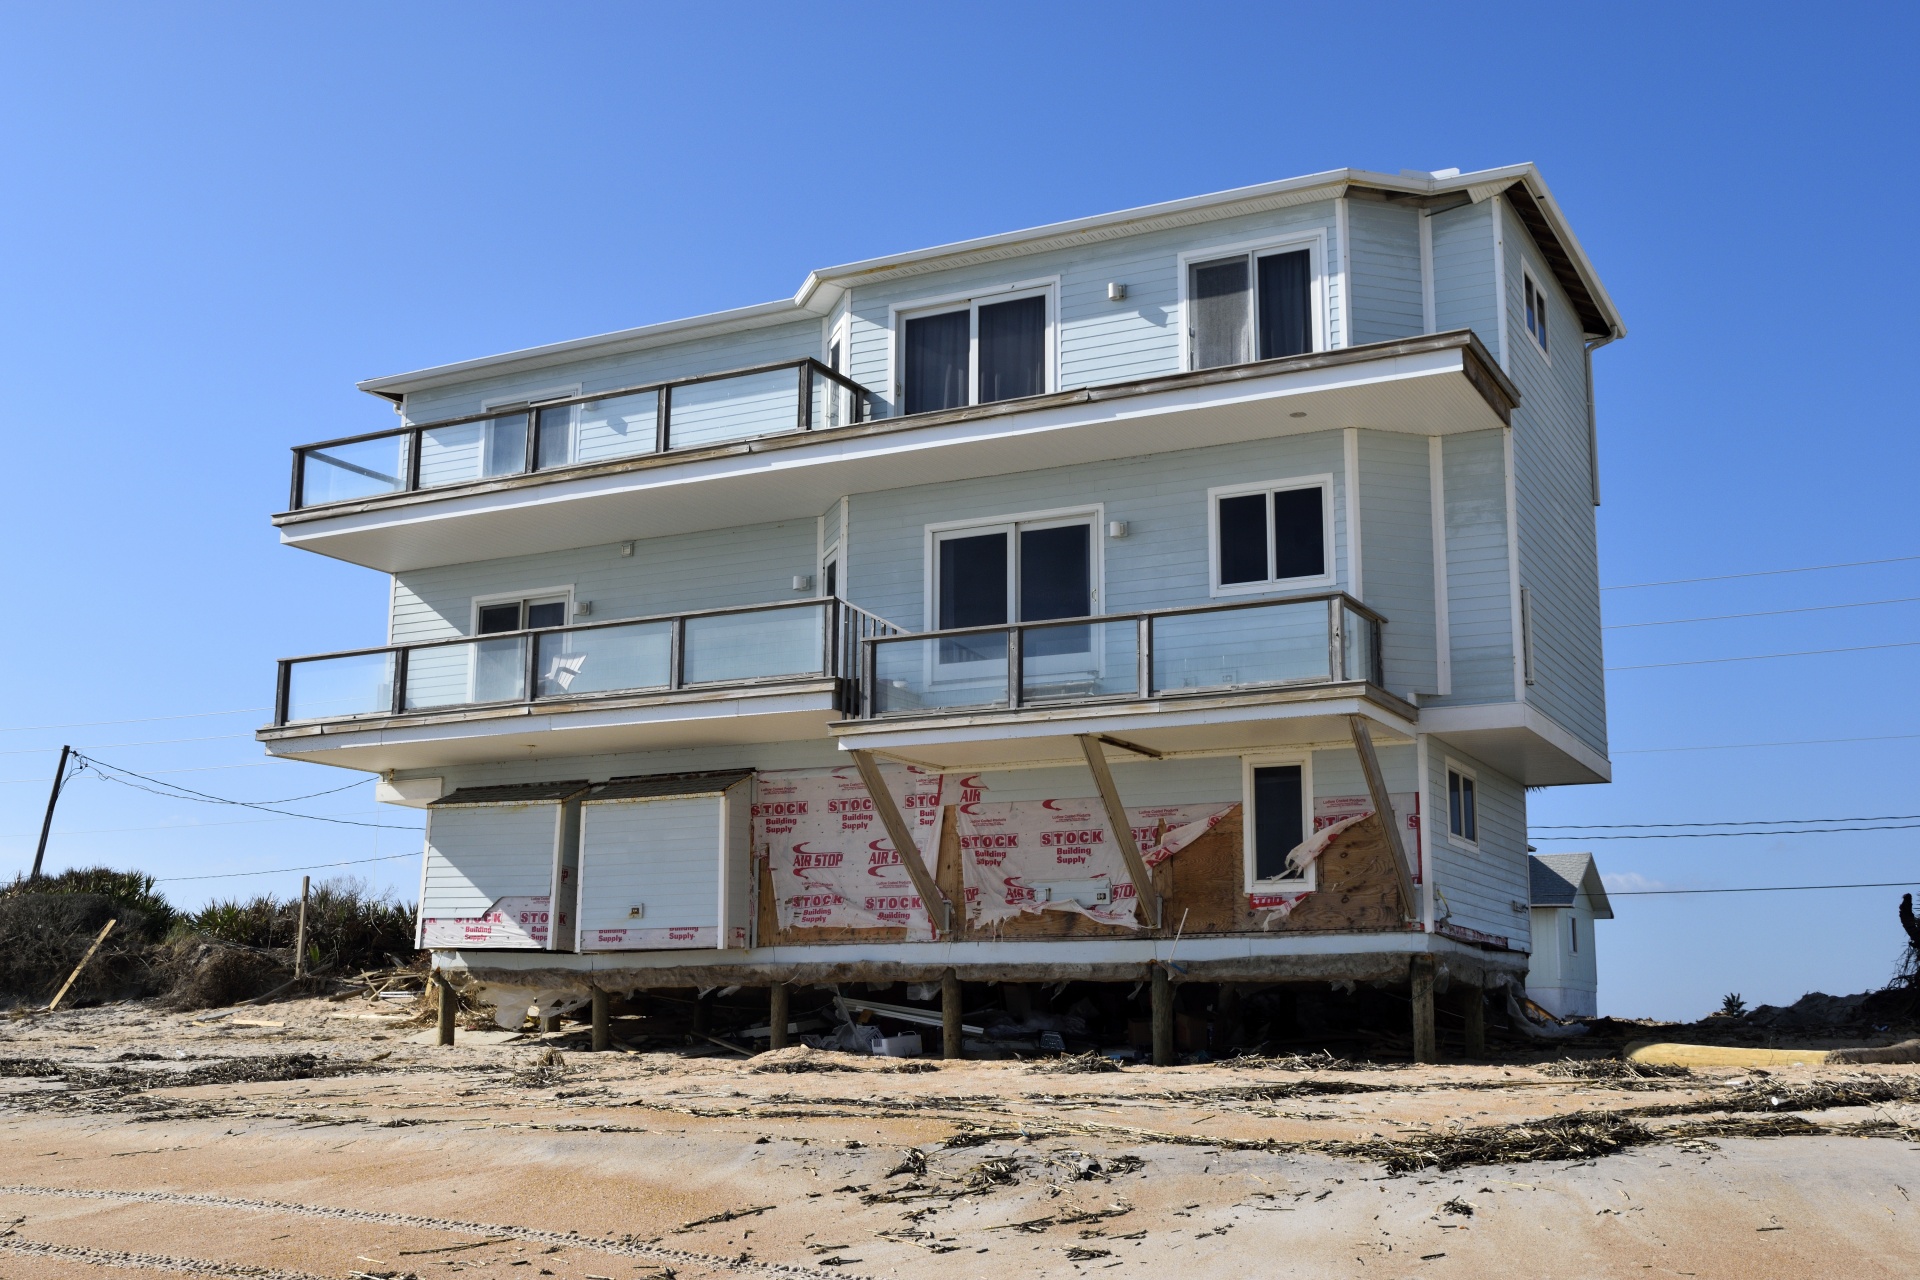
[349, 927]
[133, 890]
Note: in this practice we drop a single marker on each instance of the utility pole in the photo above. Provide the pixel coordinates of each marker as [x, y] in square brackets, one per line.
[59, 778]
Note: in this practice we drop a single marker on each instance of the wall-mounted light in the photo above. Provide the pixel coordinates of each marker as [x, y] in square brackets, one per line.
[583, 609]
[626, 548]
[803, 582]
[1116, 292]
[1116, 528]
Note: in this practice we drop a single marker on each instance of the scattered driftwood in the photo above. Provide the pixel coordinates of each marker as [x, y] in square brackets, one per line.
[726, 1216]
[1092, 1062]
[72, 977]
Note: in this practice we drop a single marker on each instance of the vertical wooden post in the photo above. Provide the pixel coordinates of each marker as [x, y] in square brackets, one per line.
[779, 1015]
[950, 1038]
[602, 1022]
[300, 935]
[1420, 975]
[449, 1005]
[1162, 1016]
[1473, 1008]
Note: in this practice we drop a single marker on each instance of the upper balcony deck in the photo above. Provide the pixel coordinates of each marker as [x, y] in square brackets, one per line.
[786, 440]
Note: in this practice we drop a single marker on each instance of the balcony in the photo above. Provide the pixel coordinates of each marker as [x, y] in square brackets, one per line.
[1231, 676]
[480, 492]
[757, 673]
[691, 413]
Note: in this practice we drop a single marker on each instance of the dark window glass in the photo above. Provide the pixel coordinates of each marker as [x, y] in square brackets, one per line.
[936, 362]
[506, 445]
[555, 437]
[1461, 819]
[499, 617]
[551, 613]
[1013, 349]
[1299, 534]
[833, 578]
[1243, 539]
[833, 358]
[1218, 299]
[1278, 826]
[1056, 581]
[973, 593]
[1286, 319]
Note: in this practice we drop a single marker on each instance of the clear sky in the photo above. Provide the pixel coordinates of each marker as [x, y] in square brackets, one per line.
[217, 218]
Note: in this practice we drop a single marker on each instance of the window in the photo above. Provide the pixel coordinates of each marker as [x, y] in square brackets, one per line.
[1573, 932]
[495, 616]
[1463, 808]
[1536, 310]
[498, 670]
[974, 352]
[1278, 820]
[1272, 534]
[1020, 571]
[1250, 306]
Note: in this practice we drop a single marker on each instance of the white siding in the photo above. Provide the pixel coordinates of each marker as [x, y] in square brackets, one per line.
[1479, 602]
[1480, 888]
[479, 854]
[663, 855]
[1396, 525]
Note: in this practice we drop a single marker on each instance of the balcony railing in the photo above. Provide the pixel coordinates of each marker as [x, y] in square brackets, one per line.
[715, 647]
[1220, 648]
[740, 404]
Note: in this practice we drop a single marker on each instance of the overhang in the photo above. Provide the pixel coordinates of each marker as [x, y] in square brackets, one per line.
[733, 716]
[1521, 742]
[1439, 384]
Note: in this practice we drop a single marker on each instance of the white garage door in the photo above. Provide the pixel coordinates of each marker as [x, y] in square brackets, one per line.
[662, 863]
[490, 868]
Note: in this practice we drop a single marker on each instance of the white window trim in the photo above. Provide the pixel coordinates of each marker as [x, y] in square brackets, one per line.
[1527, 672]
[1324, 482]
[504, 597]
[835, 328]
[1094, 515]
[1248, 763]
[1530, 279]
[1315, 241]
[900, 312]
[1451, 765]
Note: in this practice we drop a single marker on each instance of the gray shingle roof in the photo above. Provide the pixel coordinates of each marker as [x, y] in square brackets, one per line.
[514, 793]
[657, 786]
[1557, 879]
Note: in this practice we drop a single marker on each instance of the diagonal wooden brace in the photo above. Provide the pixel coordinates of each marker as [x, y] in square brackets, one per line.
[939, 910]
[1146, 896]
[1383, 809]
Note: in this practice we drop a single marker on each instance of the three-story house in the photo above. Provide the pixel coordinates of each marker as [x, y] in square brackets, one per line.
[1187, 594]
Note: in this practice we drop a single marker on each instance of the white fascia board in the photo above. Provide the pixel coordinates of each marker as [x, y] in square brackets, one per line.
[1516, 715]
[1488, 183]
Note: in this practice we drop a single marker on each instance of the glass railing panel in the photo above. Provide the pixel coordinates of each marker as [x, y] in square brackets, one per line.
[832, 403]
[1357, 645]
[452, 675]
[473, 450]
[1268, 644]
[597, 430]
[752, 404]
[605, 659]
[343, 472]
[1080, 660]
[756, 645]
[914, 673]
[359, 684]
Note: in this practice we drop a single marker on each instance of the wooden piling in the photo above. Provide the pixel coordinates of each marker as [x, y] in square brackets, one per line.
[300, 935]
[1162, 1016]
[778, 1015]
[1473, 1010]
[449, 1005]
[602, 1022]
[950, 1040]
[1426, 1047]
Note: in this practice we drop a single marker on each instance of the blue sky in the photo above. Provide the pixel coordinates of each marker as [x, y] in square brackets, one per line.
[220, 217]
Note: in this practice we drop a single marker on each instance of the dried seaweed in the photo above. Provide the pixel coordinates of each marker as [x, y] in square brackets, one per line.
[1092, 1062]
[1577, 1136]
[1622, 1071]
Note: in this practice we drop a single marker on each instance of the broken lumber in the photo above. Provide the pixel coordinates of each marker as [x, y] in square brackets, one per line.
[72, 977]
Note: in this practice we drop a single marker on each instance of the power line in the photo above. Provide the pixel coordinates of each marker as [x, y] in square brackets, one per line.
[174, 791]
[205, 768]
[1765, 613]
[90, 724]
[1743, 746]
[1758, 573]
[236, 822]
[1747, 822]
[280, 871]
[1761, 888]
[1758, 657]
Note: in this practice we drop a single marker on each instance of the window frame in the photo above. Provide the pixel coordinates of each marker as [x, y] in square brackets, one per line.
[971, 301]
[1314, 241]
[1535, 302]
[509, 597]
[1307, 883]
[1327, 578]
[1450, 768]
[1094, 516]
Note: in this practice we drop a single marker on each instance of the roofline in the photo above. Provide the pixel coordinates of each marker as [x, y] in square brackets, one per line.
[823, 288]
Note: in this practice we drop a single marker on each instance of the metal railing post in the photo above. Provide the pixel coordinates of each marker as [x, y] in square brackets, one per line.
[1013, 666]
[416, 441]
[533, 441]
[677, 654]
[663, 419]
[400, 681]
[806, 395]
[867, 665]
[1336, 650]
[283, 679]
[297, 498]
[1143, 679]
[530, 664]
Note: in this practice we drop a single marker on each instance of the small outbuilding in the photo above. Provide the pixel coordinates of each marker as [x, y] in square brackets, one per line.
[1563, 976]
